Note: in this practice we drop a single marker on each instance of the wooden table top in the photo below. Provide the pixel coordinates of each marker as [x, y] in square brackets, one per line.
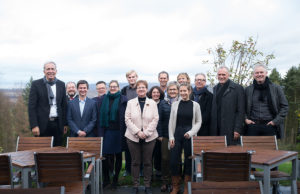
[259, 156]
[25, 159]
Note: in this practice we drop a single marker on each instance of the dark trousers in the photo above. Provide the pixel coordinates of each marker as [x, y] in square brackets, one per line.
[138, 152]
[53, 130]
[176, 151]
[157, 156]
[127, 160]
[165, 161]
[261, 130]
[112, 161]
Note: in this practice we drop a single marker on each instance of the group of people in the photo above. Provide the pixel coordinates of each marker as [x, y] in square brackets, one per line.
[156, 123]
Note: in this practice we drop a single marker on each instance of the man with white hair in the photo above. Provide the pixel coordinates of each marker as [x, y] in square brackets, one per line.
[266, 105]
[47, 105]
[228, 108]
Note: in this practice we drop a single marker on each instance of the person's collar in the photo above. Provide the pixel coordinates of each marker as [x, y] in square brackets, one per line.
[132, 87]
[84, 100]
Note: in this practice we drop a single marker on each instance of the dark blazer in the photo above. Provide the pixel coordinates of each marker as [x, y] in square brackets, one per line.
[279, 102]
[164, 111]
[232, 112]
[205, 103]
[39, 108]
[122, 108]
[86, 122]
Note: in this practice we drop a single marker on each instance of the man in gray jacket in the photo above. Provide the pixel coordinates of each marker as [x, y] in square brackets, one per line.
[228, 108]
[266, 106]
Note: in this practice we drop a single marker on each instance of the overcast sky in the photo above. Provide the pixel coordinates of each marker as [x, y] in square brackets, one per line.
[103, 39]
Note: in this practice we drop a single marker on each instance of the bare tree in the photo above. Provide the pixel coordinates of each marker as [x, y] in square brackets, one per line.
[240, 59]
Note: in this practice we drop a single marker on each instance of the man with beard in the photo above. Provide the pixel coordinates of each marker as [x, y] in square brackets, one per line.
[71, 90]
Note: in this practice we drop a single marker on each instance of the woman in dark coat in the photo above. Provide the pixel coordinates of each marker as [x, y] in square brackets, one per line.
[156, 94]
[204, 97]
[111, 126]
[163, 133]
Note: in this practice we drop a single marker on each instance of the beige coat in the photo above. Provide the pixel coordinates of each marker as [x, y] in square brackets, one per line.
[136, 121]
[196, 123]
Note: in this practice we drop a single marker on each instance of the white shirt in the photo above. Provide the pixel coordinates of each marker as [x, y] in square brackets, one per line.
[81, 105]
[53, 108]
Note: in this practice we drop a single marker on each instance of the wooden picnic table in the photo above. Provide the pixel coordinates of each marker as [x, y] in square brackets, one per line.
[266, 160]
[24, 160]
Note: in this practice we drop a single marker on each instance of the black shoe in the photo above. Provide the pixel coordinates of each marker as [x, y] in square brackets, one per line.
[135, 190]
[148, 190]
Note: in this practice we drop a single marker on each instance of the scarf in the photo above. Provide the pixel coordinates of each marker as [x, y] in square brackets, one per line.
[109, 114]
[49, 90]
[220, 91]
[264, 90]
[198, 93]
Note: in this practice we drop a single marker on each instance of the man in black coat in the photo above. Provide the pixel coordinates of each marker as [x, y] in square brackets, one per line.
[228, 108]
[204, 97]
[266, 106]
[48, 105]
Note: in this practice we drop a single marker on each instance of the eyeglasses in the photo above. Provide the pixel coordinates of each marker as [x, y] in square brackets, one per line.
[141, 88]
[113, 87]
[198, 80]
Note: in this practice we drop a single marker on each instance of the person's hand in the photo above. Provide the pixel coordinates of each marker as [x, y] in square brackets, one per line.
[65, 129]
[248, 121]
[236, 135]
[271, 123]
[36, 131]
[172, 143]
[160, 139]
[141, 135]
[81, 133]
[187, 136]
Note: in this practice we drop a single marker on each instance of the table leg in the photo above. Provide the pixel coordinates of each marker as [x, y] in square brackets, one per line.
[25, 177]
[267, 179]
[294, 176]
[97, 176]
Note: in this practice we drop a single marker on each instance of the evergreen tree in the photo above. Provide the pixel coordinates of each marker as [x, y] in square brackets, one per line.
[26, 91]
[275, 77]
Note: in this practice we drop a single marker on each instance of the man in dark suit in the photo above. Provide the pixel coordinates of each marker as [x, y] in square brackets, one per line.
[228, 108]
[48, 105]
[82, 113]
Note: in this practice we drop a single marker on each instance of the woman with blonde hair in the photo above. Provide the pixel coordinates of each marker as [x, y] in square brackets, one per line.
[185, 121]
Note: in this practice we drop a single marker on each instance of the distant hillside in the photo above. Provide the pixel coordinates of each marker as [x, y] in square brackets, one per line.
[13, 94]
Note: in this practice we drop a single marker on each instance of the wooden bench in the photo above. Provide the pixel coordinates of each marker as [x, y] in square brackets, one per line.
[61, 169]
[266, 143]
[204, 143]
[30, 143]
[6, 175]
[92, 145]
[260, 142]
[208, 187]
[48, 190]
[219, 166]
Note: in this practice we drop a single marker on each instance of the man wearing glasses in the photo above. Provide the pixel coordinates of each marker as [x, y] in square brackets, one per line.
[201, 95]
